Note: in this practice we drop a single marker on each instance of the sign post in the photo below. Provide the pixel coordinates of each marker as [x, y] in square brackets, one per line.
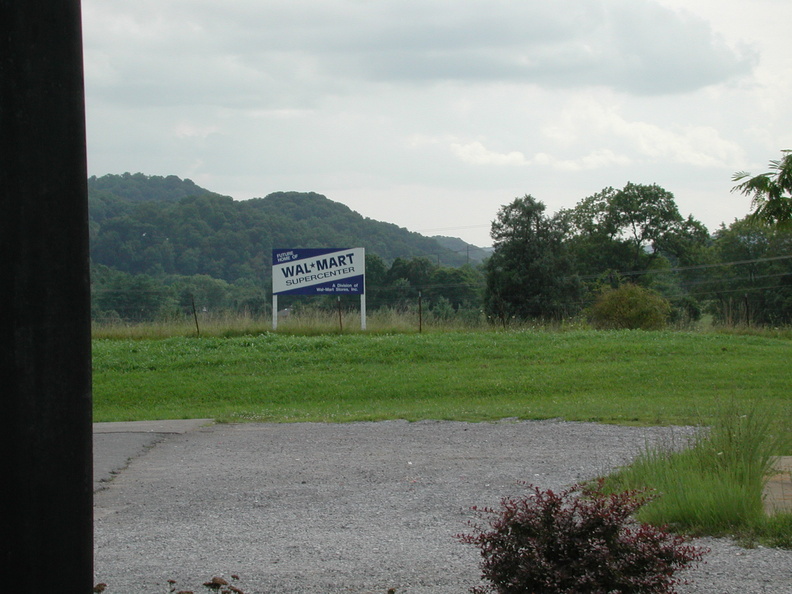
[319, 271]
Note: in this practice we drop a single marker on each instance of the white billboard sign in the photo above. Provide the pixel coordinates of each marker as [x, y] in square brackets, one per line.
[318, 271]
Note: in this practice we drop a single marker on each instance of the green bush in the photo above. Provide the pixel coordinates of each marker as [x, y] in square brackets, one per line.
[629, 307]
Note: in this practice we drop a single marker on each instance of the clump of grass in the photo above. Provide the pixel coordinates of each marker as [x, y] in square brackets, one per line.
[715, 486]
[777, 531]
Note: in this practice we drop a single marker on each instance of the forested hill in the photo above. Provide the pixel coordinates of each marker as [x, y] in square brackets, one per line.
[143, 188]
[165, 225]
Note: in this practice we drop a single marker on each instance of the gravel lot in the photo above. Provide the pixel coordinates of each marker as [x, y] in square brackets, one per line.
[354, 508]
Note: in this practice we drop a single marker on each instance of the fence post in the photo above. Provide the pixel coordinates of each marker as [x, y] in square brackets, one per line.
[195, 317]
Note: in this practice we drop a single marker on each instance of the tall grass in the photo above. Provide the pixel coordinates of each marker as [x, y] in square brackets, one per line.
[715, 484]
[306, 322]
[312, 321]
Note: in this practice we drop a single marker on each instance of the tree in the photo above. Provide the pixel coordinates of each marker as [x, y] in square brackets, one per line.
[754, 283]
[129, 297]
[376, 271]
[770, 192]
[593, 236]
[203, 292]
[418, 271]
[638, 233]
[627, 229]
[403, 281]
[530, 274]
[457, 287]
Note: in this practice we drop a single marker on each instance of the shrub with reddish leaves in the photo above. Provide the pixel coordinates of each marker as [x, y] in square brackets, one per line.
[577, 541]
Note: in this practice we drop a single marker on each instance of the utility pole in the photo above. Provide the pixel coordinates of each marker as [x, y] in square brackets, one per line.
[45, 340]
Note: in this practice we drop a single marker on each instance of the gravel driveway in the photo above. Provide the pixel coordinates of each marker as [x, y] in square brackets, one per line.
[357, 508]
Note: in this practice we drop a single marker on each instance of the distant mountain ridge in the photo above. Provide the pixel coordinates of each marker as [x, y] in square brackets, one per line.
[166, 225]
[472, 253]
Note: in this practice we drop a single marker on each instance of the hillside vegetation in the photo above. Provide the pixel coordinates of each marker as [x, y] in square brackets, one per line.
[161, 246]
[163, 249]
[155, 225]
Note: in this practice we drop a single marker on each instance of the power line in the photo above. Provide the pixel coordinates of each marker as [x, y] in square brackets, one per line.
[685, 268]
[451, 228]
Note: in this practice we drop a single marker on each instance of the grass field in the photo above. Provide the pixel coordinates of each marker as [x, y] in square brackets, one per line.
[620, 377]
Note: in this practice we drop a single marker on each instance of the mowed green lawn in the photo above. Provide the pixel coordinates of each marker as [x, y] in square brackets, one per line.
[621, 376]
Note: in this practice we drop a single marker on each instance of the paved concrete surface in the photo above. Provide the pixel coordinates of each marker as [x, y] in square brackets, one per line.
[115, 444]
[778, 491]
[355, 508]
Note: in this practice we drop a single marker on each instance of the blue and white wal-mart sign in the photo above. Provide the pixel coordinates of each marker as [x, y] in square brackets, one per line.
[318, 271]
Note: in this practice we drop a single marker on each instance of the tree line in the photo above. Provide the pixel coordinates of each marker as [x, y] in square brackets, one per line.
[155, 259]
[555, 267]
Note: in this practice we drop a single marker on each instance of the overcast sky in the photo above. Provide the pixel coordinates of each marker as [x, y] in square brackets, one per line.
[432, 114]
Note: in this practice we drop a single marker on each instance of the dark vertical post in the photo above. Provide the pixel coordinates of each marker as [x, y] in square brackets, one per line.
[195, 317]
[45, 341]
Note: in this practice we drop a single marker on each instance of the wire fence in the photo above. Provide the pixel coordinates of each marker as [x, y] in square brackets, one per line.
[739, 291]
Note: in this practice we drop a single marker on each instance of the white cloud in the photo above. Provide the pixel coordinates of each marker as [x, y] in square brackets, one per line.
[476, 153]
[190, 130]
[598, 159]
[421, 101]
[587, 120]
[194, 49]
